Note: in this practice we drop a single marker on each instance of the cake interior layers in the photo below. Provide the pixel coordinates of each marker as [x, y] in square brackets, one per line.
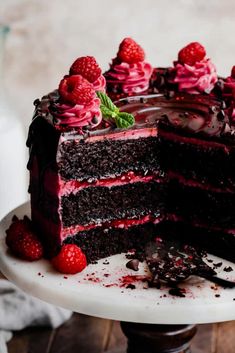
[113, 190]
[92, 204]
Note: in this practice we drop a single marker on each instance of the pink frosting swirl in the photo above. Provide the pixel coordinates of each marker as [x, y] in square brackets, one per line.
[100, 84]
[195, 79]
[133, 78]
[78, 115]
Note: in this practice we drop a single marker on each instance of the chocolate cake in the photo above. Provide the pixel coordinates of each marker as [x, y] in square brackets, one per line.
[111, 178]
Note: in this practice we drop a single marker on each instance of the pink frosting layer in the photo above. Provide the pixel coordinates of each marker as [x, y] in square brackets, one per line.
[196, 79]
[119, 223]
[78, 115]
[133, 78]
[62, 233]
[100, 84]
[55, 184]
[124, 134]
[73, 186]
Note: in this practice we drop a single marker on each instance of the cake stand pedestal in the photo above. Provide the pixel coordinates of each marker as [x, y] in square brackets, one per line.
[153, 320]
[145, 338]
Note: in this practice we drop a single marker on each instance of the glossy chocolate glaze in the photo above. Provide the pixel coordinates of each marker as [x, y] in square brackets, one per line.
[194, 114]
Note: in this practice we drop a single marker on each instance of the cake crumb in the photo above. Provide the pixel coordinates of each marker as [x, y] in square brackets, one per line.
[219, 264]
[133, 265]
[131, 286]
[177, 292]
[106, 262]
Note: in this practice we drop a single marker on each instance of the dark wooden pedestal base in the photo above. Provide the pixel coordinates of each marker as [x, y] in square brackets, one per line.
[146, 338]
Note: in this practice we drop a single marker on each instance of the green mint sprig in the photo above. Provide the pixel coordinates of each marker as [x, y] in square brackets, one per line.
[110, 111]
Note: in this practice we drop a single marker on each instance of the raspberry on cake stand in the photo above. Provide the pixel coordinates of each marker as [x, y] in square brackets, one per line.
[154, 320]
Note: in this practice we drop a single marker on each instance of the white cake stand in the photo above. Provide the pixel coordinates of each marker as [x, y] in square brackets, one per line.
[100, 290]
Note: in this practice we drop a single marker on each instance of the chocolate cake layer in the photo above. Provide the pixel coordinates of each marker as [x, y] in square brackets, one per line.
[81, 160]
[98, 243]
[96, 204]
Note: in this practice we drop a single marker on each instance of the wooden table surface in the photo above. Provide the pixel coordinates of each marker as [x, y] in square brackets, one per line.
[84, 334]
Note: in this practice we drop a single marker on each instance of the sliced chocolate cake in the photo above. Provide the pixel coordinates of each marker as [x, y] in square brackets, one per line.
[110, 178]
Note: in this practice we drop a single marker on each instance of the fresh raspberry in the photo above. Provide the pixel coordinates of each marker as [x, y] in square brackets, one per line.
[76, 90]
[192, 53]
[70, 259]
[22, 241]
[130, 52]
[233, 72]
[87, 67]
[17, 227]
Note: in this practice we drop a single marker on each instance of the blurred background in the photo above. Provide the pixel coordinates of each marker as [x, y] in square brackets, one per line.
[47, 36]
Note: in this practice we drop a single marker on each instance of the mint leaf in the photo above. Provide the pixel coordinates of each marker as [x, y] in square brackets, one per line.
[107, 102]
[124, 120]
[107, 113]
[110, 111]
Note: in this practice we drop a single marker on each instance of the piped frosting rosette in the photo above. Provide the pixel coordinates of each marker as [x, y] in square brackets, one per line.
[131, 78]
[78, 115]
[193, 72]
[78, 106]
